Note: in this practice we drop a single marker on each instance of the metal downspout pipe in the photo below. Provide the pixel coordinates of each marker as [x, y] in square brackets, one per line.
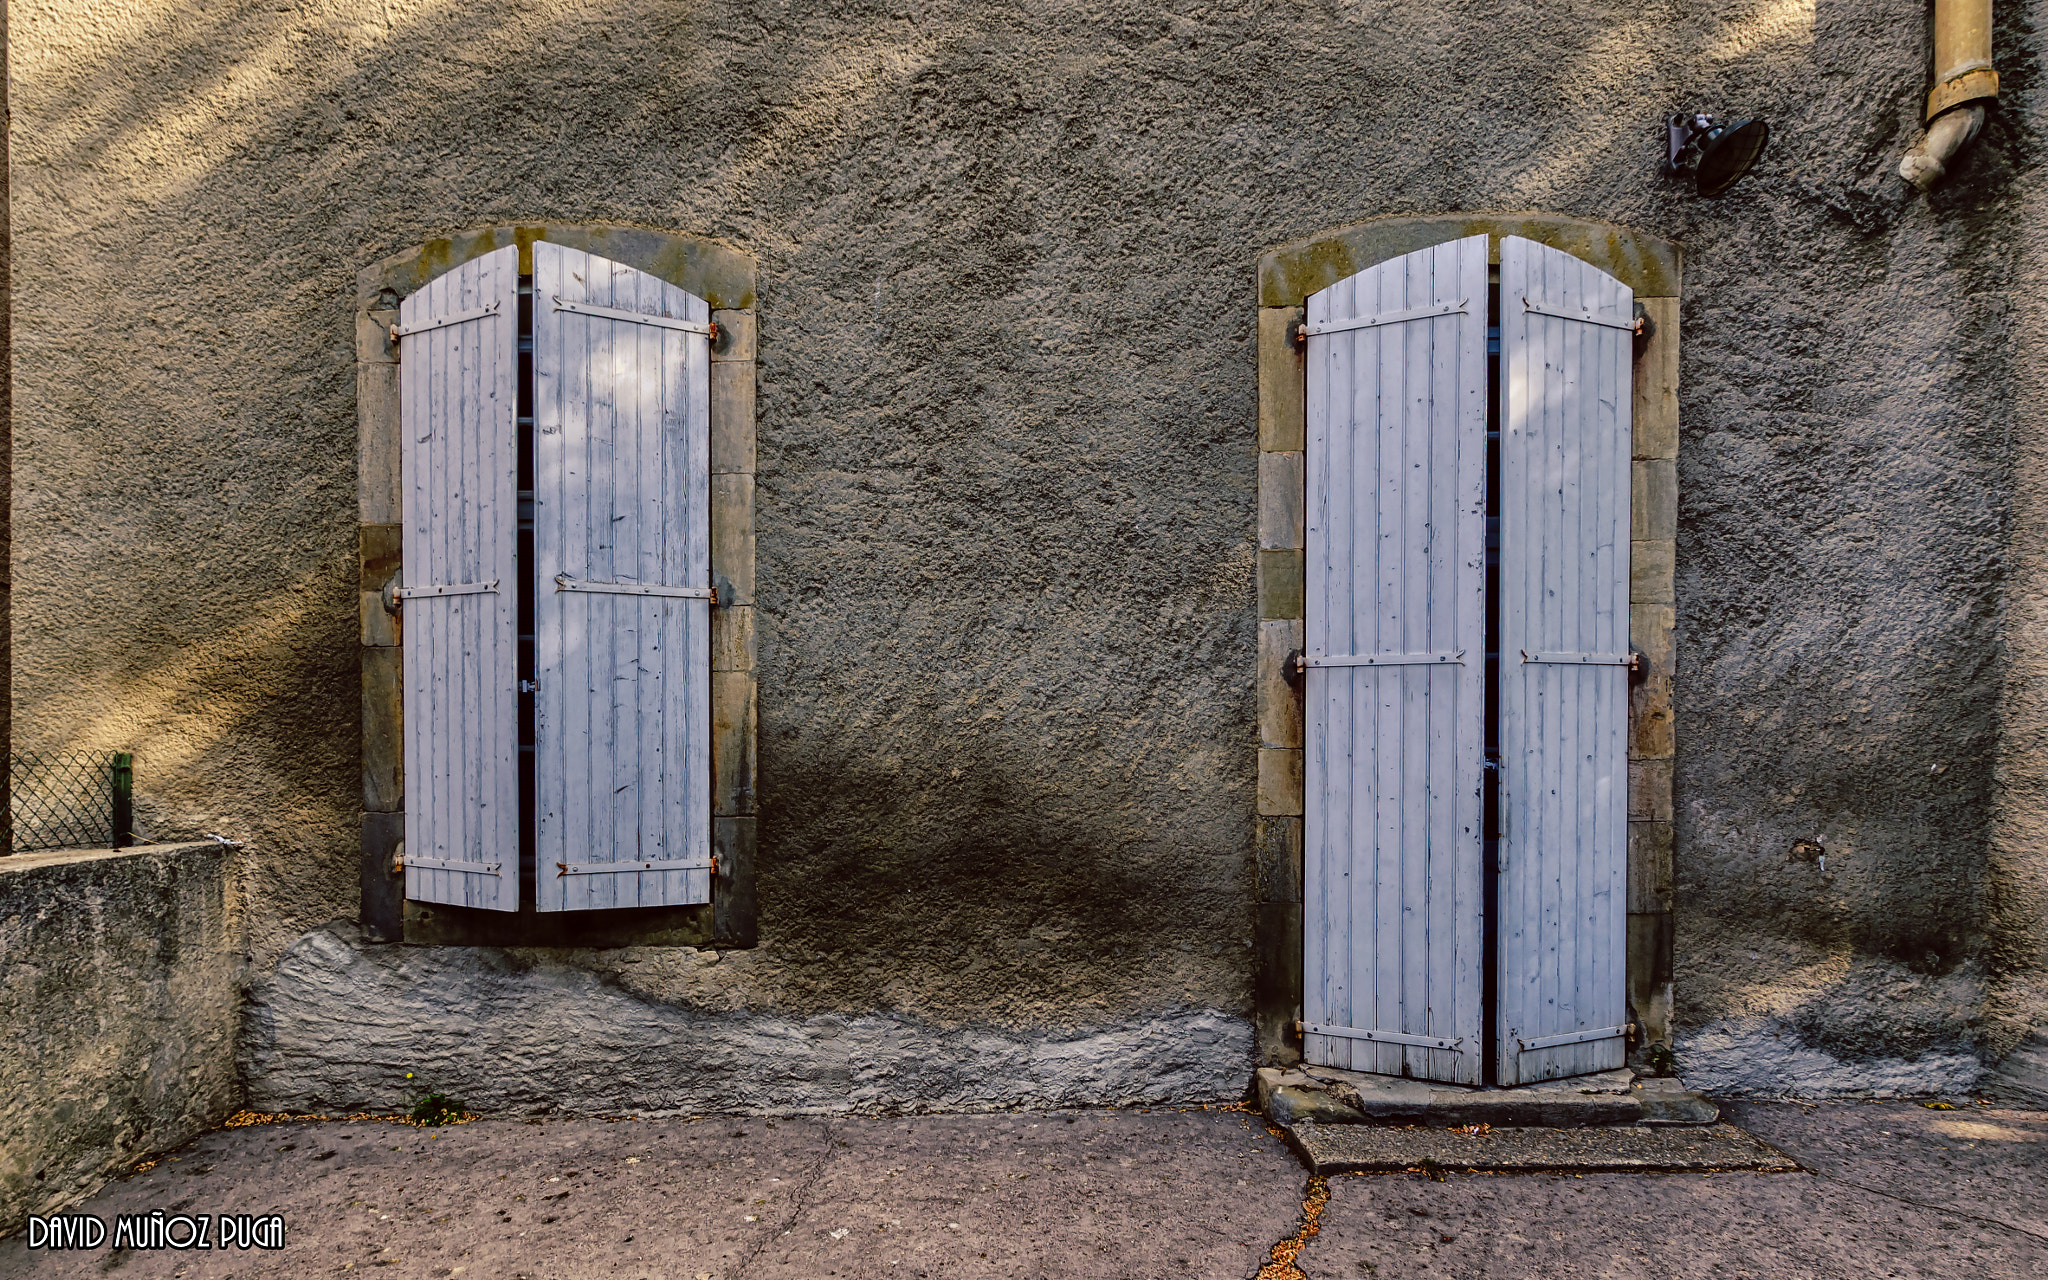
[1965, 85]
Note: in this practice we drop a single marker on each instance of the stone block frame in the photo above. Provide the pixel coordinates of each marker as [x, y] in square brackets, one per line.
[723, 277]
[1286, 277]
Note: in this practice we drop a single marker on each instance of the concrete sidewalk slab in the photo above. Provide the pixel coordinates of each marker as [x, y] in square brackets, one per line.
[1359, 1148]
[1165, 1194]
[1893, 1189]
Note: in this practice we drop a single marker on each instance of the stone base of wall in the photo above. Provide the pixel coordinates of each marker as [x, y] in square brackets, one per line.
[119, 1003]
[1763, 1058]
[342, 1022]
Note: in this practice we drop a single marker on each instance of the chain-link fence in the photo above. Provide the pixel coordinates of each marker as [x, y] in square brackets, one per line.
[72, 799]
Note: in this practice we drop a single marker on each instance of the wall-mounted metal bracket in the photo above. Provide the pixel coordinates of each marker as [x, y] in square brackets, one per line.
[1292, 670]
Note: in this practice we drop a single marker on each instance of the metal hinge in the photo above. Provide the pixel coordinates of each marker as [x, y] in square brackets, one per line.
[447, 864]
[1380, 1037]
[632, 868]
[1303, 661]
[1583, 317]
[1629, 660]
[563, 582]
[460, 317]
[709, 329]
[1537, 1043]
[445, 589]
[1385, 317]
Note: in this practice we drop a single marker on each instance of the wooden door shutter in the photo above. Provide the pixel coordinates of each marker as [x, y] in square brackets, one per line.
[1566, 351]
[1395, 666]
[459, 463]
[622, 552]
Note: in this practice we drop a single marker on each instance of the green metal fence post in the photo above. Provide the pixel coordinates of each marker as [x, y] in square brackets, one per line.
[124, 799]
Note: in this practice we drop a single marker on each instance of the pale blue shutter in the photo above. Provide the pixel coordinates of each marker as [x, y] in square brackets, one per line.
[1395, 690]
[1566, 348]
[622, 550]
[459, 463]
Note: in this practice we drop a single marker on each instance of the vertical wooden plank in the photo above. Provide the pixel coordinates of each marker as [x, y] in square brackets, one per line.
[691, 698]
[550, 366]
[1412, 634]
[1378, 613]
[1318, 928]
[1467, 904]
[1514, 950]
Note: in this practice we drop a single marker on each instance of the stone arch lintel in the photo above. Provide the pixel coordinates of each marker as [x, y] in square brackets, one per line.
[1649, 265]
[719, 274]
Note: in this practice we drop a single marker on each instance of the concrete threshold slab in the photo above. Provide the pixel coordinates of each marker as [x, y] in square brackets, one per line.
[1327, 1095]
[1366, 1148]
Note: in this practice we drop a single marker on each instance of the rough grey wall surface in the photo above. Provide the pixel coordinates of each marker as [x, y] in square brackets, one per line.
[1006, 475]
[651, 1031]
[120, 1000]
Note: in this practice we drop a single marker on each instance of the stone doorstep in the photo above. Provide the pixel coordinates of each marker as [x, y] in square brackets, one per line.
[1325, 1095]
[1356, 1148]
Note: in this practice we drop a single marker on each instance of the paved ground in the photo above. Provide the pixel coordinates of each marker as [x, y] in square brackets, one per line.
[1891, 1189]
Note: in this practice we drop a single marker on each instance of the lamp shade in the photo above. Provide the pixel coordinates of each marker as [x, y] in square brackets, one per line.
[1728, 151]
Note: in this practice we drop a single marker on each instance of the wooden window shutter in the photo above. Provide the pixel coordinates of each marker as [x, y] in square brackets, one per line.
[1566, 351]
[459, 463]
[1395, 678]
[622, 539]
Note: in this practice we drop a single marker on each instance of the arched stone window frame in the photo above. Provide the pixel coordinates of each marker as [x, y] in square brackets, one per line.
[1287, 275]
[725, 278]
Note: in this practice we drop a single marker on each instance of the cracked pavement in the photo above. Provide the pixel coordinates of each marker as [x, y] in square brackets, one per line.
[1889, 1189]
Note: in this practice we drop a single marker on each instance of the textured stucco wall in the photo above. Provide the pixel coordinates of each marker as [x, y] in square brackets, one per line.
[1006, 484]
[120, 1000]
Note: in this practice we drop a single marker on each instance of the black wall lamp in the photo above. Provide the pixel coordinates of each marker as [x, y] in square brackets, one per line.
[1720, 153]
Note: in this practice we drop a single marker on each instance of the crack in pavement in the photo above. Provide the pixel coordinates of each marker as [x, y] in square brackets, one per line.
[1283, 1265]
[1951, 1210]
[1807, 1165]
[796, 1208]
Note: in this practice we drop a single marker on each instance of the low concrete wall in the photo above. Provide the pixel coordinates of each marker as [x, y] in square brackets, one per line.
[120, 994]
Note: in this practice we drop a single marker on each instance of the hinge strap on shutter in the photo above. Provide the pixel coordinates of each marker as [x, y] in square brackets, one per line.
[1382, 1037]
[446, 589]
[1303, 662]
[444, 864]
[461, 317]
[709, 330]
[1583, 317]
[1574, 1037]
[1583, 659]
[563, 582]
[1386, 317]
[631, 868]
